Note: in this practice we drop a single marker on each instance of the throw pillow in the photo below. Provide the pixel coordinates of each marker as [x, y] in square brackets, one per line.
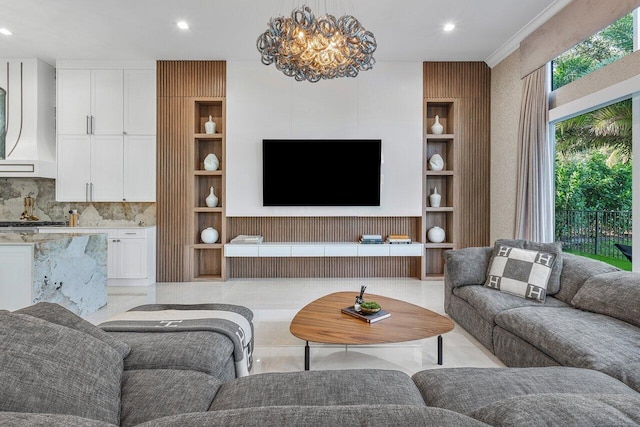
[521, 272]
[59, 315]
[52, 369]
[554, 247]
[614, 294]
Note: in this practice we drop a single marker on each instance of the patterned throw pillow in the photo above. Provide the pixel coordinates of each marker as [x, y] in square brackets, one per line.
[521, 272]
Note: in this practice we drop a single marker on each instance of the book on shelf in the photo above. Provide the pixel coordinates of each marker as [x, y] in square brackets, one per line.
[399, 241]
[246, 239]
[371, 237]
[397, 236]
[369, 318]
[371, 241]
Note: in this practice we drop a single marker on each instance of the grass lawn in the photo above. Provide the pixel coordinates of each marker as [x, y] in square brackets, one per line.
[622, 264]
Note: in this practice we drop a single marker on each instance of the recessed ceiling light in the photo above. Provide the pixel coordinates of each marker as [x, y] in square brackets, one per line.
[449, 26]
[5, 32]
[183, 25]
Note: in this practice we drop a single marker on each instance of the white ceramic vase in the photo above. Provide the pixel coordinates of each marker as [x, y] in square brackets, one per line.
[436, 162]
[211, 162]
[209, 235]
[210, 126]
[434, 198]
[211, 200]
[436, 234]
[437, 127]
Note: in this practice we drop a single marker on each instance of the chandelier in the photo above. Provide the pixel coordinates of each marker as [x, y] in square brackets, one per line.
[308, 48]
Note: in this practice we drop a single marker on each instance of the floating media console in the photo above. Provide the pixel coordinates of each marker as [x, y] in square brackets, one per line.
[322, 249]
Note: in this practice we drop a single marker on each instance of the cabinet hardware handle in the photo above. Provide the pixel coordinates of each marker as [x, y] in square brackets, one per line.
[91, 192]
[93, 131]
[87, 125]
[86, 191]
[129, 233]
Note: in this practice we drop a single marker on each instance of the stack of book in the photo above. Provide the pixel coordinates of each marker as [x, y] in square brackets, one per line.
[398, 239]
[244, 239]
[371, 238]
[369, 318]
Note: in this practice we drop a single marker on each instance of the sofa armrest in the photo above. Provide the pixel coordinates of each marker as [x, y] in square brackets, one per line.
[467, 266]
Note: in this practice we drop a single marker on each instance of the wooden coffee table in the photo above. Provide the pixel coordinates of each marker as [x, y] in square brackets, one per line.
[321, 321]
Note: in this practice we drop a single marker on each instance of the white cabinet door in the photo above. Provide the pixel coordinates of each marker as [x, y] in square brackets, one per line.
[139, 168]
[74, 168]
[16, 276]
[74, 102]
[133, 258]
[107, 102]
[140, 102]
[106, 168]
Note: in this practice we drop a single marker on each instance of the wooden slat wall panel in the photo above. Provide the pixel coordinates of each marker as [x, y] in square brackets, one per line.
[323, 229]
[177, 83]
[468, 83]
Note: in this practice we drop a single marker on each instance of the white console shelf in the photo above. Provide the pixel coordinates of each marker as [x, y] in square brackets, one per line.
[321, 249]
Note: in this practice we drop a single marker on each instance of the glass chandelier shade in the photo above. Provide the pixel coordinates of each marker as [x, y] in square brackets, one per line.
[308, 48]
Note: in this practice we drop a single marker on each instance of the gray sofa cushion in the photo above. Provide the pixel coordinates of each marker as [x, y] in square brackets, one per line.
[465, 390]
[23, 419]
[48, 368]
[318, 388]
[206, 352]
[363, 415]
[468, 266]
[579, 338]
[490, 303]
[615, 294]
[567, 410]
[148, 394]
[59, 315]
[575, 271]
[553, 285]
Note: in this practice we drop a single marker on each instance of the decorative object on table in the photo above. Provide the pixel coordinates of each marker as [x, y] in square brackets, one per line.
[211, 162]
[210, 126]
[398, 239]
[209, 235]
[436, 162]
[371, 238]
[29, 204]
[436, 234]
[211, 200]
[311, 49]
[434, 198]
[369, 318]
[73, 218]
[359, 298]
[370, 307]
[247, 239]
[437, 127]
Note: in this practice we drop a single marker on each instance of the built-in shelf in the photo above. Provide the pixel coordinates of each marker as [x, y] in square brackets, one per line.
[439, 173]
[322, 249]
[440, 209]
[207, 173]
[440, 245]
[444, 136]
[203, 209]
[208, 135]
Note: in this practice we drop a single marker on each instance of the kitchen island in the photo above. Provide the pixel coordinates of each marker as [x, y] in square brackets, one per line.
[68, 269]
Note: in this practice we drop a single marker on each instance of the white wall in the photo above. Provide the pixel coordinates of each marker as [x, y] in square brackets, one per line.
[384, 103]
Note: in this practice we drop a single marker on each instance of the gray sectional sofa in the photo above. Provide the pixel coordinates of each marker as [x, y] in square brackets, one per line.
[589, 319]
[58, 370]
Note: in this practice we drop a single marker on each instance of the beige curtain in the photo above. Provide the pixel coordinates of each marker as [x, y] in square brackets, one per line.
[534, 196]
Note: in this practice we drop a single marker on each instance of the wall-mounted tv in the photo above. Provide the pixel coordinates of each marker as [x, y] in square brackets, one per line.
[321, 172]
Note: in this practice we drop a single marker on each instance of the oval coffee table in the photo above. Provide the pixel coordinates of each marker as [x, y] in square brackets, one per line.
[322, 321]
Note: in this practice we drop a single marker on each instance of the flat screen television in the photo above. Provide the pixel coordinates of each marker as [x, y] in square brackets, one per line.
[321, 172]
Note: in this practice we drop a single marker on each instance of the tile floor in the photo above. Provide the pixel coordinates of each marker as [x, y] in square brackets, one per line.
[276, 301]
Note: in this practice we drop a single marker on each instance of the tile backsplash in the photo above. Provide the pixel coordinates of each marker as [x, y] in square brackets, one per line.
[13, 191]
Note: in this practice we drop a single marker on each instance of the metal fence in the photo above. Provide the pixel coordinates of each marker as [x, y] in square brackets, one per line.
[594, 232]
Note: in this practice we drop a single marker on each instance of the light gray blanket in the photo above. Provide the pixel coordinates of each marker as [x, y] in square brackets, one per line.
[229, 320]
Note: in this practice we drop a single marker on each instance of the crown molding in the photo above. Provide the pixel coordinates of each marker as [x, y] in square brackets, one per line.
[513, 43]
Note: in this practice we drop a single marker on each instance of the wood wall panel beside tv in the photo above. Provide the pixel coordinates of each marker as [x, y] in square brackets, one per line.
[321, 172]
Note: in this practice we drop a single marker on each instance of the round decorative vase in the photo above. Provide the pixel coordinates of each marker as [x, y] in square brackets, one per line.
[436, 162]
[437, 128]
[434, 198]
[209, 235]
[210, 126]
[211, 162]
[436, 234]
[211, 200]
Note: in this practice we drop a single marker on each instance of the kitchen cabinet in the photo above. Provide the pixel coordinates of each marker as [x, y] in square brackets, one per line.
[90, 102]
[16, 276]
[131, 253]
[106, 143]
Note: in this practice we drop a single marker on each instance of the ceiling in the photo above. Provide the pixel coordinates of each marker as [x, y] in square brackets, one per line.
[406, 30]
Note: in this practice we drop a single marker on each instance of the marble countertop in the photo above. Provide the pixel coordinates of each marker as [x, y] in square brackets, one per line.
[31, 238]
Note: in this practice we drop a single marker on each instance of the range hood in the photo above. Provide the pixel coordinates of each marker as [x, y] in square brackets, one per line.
[30, 88]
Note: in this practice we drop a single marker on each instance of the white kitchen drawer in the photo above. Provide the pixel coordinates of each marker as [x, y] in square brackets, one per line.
[413, 249]
[274, 250]
[233, 250]
[341, 250]
[373, 250]
[130, 233]
[307, 250]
